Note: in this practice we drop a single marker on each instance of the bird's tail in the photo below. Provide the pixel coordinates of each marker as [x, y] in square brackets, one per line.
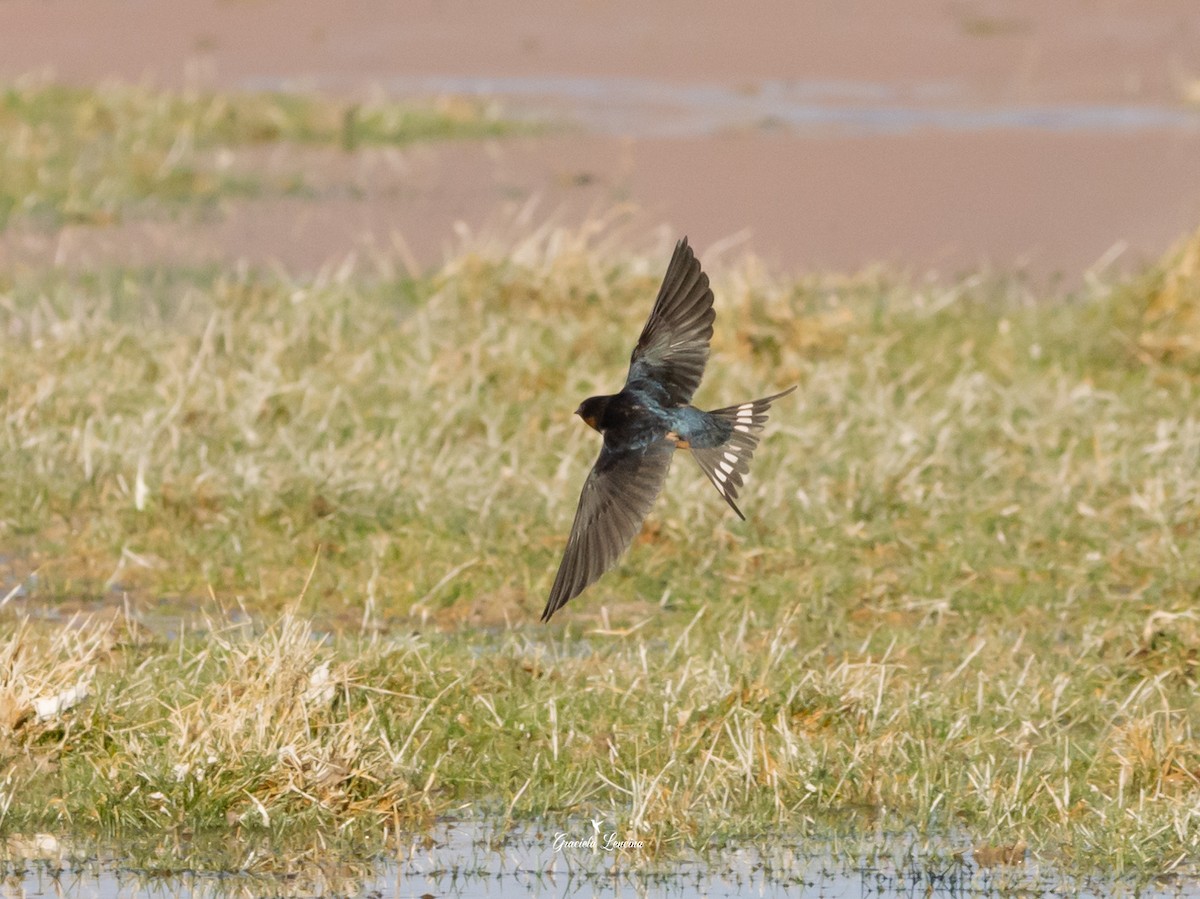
[728, 463]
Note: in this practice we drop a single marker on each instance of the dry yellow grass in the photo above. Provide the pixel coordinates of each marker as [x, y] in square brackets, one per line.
[1172, 306]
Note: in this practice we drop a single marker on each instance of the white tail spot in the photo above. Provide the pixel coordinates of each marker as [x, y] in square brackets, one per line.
[720, 475]
[730, 457]
[743, 428]
[727, 468]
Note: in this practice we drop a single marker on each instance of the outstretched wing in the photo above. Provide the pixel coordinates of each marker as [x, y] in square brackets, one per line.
[616, 497]
[671, 353]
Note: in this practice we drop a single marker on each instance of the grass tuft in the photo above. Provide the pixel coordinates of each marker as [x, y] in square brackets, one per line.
[1171, 318]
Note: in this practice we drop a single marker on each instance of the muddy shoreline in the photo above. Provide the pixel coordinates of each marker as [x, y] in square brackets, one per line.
[840, 136]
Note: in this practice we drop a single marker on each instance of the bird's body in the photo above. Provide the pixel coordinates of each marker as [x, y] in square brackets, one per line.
[633, 418]
[646, 421]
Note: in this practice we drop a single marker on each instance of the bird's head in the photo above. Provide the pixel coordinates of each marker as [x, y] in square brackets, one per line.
[592, 409]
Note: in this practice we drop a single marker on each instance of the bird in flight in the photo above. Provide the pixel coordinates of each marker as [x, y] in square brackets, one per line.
[647, 421]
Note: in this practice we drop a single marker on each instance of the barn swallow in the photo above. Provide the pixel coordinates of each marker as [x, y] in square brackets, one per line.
[647, 421]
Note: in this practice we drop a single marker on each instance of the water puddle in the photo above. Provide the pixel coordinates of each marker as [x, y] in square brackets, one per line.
[642, 107]
[466, 862]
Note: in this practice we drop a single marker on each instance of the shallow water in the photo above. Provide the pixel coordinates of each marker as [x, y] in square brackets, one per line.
[644, 107]
[466, 862]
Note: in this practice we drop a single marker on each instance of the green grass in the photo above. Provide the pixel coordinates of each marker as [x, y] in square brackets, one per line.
[292, 537]
[96, 155]
[963, 601]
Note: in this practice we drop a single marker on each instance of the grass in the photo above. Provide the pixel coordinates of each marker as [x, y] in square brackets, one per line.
[272, 553]
[97, 155]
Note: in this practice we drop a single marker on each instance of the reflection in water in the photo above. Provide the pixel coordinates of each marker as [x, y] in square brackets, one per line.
[468, 861]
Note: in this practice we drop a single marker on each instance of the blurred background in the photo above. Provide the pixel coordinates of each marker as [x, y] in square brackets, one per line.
[1054, 139]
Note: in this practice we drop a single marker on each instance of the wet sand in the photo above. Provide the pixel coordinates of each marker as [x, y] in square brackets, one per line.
[836, 135]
